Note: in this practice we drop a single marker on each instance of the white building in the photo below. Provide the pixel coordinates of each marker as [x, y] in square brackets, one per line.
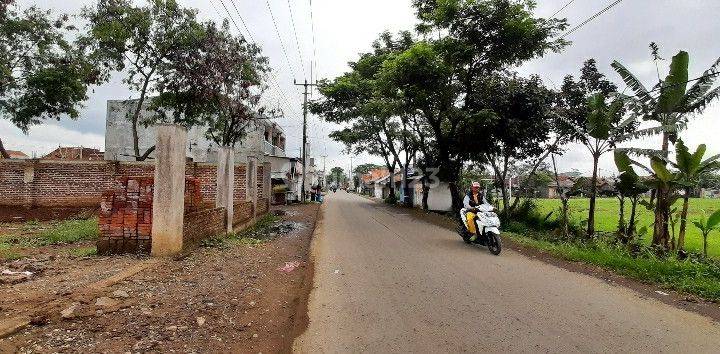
[265, 139]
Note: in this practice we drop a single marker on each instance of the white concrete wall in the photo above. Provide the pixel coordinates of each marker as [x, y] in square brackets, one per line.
[119, 143]
[439, 198]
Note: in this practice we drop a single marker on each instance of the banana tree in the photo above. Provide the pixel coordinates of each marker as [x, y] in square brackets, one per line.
[604, 128]
[690, 167]
[631, 186]
[669, 104]
[661, 178]
[707, 225]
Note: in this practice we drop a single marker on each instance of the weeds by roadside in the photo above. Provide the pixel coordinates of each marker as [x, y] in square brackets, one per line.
[693, 276]
[63, 233]
[254, 235]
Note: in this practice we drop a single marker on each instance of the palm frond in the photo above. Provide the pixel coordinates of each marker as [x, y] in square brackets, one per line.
[644, 152]
[703, 84]
[634, 83]
[650, 132]
[704, 101]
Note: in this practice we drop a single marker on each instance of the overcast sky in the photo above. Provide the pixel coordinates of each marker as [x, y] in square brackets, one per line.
[344, 28]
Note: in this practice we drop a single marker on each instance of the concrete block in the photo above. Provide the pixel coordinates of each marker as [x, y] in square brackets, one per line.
[169, 191]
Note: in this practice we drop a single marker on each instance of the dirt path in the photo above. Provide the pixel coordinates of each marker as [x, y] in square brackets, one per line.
[387, 282]
[231, 298]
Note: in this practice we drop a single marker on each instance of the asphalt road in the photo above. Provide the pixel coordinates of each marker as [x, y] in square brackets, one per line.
[386, 282]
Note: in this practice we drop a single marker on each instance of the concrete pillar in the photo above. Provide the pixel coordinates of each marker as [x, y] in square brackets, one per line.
[267, 182]
[225, 183]
[251, 190]
[169, 190]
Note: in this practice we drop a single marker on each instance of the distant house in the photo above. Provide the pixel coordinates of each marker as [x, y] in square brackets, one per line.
[14, 154]
[709, 193]
[75, 153]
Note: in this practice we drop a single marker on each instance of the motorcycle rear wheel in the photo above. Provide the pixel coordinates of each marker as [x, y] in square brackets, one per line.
[494, 244]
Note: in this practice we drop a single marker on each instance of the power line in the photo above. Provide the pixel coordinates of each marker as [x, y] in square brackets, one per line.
[273, 78]
[562, 8]
[313, 63]
[282, 44]
[590, 19]
[297, 42]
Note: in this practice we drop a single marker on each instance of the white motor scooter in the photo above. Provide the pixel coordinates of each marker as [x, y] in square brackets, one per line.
[487, 224]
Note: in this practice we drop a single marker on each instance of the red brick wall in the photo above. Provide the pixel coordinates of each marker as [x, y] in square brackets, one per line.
[82, 183]
[240, 192]
[126, 214]
[203, 224]
[242, 213]
[263, 206]
[126, 217]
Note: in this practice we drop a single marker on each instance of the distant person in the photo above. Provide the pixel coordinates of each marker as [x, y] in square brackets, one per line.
[472, 200]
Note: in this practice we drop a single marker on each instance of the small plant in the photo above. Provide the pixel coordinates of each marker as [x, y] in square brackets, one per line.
[83, 252]
[706, 226]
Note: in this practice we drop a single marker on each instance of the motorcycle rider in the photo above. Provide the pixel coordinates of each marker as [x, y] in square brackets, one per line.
[472, 199]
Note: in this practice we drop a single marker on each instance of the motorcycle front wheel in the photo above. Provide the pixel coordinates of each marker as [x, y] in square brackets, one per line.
[493, 242]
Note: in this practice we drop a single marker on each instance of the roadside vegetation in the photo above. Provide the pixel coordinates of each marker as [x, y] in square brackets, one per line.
[256, 234]
[33, 234]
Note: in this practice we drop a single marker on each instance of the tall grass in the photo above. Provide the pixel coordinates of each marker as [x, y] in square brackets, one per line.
[694, 276]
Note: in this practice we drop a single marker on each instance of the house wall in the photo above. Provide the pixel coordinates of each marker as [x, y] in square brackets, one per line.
[53, 183]
[439, 198]
[119, 142]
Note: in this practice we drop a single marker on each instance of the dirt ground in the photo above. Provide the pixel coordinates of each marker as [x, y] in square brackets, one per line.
[235, 297]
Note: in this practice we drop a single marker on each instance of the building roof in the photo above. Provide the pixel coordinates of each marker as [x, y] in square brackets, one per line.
[375, 175]
[14, 154]
[75, 153]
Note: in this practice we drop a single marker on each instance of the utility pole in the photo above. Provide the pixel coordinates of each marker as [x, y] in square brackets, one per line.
[352, 177]
[304, 138]
[324, 182]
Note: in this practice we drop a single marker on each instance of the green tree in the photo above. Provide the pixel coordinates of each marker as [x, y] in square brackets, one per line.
[337, 176]
[218, 85]
[690, 167]
[139, 41]
[604, 128]
[438, 78]
[42, 74]
[365, 168]
[586, 117]
[706, 226]
[515, 130]
[376, 125]
[628, 185]
[670, 111]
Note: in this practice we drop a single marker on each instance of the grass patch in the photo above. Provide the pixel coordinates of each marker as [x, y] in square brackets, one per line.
[606, 218]
[83, 252]
[70, 231]
[693, 276]
[9, 255]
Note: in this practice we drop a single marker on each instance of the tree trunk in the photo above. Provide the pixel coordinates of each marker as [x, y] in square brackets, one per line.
[136, 116]
[705, 236]
[3, 153]
[593, 196]
[662, 209]
[683, 221]
[631, 224]
[426, 192]
[621, 220]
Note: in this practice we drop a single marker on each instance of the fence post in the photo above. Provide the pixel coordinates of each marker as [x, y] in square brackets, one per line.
[225, 184]
[169, 190]
[251, 189]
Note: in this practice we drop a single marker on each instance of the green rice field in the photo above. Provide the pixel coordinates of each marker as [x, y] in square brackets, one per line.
[607, 218]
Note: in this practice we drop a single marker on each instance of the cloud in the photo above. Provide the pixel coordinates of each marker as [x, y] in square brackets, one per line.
[42, 139]
[344, 28]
